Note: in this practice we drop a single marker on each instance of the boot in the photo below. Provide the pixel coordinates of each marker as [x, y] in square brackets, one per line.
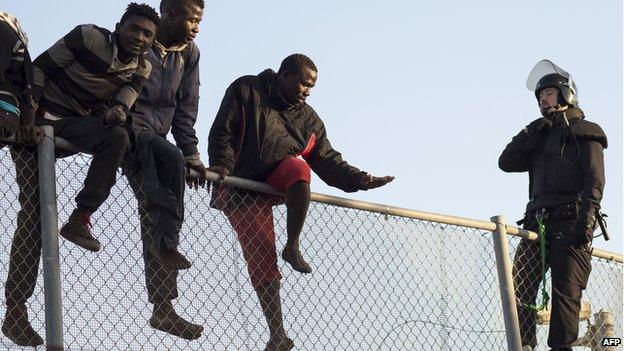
[78, 231]
[270, 302]
[165, 318]
[17, 328]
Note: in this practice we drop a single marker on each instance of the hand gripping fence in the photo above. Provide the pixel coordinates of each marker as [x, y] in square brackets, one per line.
[384, 278]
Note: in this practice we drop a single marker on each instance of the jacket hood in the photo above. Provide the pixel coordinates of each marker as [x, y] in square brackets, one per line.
[269, 78]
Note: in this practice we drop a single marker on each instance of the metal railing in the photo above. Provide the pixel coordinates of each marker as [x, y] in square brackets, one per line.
[384, 278]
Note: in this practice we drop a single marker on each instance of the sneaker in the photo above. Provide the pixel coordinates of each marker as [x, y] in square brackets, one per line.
[78, 231]
[17, 328]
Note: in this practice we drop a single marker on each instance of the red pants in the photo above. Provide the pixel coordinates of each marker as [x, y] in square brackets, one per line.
[253, 223]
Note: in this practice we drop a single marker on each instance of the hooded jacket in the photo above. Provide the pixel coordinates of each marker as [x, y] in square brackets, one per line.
[255, 128]
[565, 163]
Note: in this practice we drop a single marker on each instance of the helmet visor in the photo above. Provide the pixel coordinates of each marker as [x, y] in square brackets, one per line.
[545, 67]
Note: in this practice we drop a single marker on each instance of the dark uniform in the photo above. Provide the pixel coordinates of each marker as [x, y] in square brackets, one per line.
[566, 172]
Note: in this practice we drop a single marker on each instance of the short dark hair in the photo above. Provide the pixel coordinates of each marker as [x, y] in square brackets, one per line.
[141, 10]
[296, 63]
[168, 5]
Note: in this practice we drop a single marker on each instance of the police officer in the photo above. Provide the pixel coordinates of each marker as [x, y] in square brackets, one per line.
[563, 153]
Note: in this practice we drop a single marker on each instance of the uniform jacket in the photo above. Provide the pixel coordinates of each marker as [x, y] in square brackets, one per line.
[565, 163]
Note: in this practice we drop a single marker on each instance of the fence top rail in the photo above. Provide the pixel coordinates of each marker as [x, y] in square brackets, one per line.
[374, 207]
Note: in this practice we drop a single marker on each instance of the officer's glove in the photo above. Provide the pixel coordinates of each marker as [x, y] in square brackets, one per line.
[194, 162]
[537, 125]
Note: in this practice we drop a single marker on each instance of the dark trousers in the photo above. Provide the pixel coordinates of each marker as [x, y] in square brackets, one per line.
[107, 144]
[26, 245]
[157, 179]
[570, 265]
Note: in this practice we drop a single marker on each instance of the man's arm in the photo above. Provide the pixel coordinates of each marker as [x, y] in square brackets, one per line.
[222, 140]
[62, 54]
[517, 155]
[128, 94]
[591, 160]
[331, 168]
[185, 116]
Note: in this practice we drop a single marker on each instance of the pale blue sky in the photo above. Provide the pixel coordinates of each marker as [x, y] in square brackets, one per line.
[430, 92]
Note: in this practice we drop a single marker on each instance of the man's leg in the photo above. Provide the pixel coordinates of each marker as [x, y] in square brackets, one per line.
[25, 250]
[161, 282]
[526, 271]
[254, 226]
[292, 176]
[108, 145]
[164, 184]
[571, 265]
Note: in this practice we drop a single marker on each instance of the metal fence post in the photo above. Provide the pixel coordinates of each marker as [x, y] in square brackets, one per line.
[505, 280]
[50, 242]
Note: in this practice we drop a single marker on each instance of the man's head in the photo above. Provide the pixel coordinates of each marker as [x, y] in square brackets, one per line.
[548, 98]
[180, 20]
[296, 77]
[137, 29]
[554, 90]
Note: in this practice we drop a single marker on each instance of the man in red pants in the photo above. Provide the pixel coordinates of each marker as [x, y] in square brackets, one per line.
[265, 131]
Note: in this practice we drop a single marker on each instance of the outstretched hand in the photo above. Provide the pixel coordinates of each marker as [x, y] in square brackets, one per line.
[221, 171]
[371, 182]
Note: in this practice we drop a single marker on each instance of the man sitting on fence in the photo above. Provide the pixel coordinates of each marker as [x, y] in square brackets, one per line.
[17, 114]
[265, 131]
[168, 101]
[563, 154]
[83, 83]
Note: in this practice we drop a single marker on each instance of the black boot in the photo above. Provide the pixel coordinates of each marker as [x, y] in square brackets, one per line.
[166, 319]
[269, 297]
[17, 327]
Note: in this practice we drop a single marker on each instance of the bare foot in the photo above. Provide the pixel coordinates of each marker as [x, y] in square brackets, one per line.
[171, 259]
[295, 259]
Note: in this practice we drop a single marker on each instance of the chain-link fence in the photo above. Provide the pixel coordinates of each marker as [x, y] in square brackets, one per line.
[601, 308]
[379, 282]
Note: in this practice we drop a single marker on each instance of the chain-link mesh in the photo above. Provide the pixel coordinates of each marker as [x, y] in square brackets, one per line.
[601, 308]
[378, 282]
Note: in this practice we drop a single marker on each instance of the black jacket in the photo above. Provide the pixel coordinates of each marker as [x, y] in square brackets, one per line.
[565, 163]
[256, 128]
